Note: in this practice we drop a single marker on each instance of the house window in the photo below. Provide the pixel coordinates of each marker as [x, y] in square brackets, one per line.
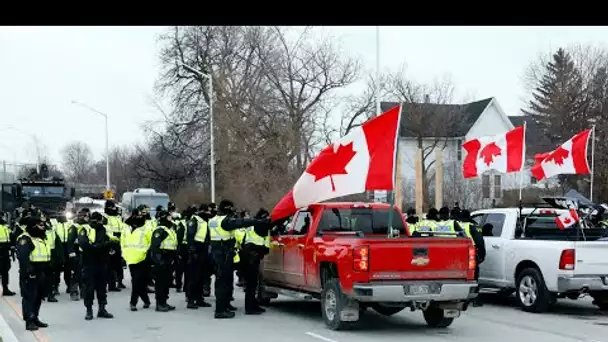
[485, 186]
[497, 186]
[459, 150]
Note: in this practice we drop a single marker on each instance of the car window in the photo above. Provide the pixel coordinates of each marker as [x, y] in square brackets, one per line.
[497, 221]
[364, 220]
[302, 223]
[478, 219]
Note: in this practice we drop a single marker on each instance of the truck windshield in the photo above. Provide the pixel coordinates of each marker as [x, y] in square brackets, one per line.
[36, 190]
[152, 201]
[544, 227]
[365, 220]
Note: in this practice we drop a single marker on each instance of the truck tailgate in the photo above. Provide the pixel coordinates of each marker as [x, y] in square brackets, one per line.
[419, 258]
[591, 258]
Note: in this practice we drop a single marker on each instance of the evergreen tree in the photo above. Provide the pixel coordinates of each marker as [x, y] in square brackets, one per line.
[558, 105]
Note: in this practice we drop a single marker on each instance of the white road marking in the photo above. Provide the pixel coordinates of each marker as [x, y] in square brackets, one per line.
[323, 338]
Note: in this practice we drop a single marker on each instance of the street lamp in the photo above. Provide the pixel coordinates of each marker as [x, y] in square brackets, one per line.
[212, 163]
[107, 143]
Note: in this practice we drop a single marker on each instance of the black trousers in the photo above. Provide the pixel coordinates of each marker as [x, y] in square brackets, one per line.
[65, 267]
[75, 266]
[194, 277]
[162, 281]
[115, 271]
[94, 278]
[223, 254]
[5, 266]
[180, 267]
[139, 282]
[54, 273]
[250, 262]
[32, 292]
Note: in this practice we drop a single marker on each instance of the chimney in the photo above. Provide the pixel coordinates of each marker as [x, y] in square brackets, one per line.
[427, 98]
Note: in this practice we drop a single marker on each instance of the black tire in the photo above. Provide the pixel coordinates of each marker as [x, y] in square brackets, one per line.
[532, 293]
[333, 301]
[435, 318]
[386, 310]
[601, 301]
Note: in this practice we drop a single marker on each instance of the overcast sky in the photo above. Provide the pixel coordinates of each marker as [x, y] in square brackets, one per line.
[113, 69]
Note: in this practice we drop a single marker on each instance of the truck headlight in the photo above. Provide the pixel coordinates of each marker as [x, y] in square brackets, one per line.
[69, 215]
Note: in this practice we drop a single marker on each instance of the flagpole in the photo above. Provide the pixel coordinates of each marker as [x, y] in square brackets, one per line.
[521, 172]
[592, 161]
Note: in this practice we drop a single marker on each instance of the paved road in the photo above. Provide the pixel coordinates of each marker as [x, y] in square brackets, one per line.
[290, 320]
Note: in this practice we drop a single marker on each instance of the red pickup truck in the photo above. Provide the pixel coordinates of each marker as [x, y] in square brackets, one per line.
[341, 254]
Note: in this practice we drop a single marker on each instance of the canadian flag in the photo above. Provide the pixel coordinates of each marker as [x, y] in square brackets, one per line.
[502, 152]
[567, 219]
[360, 161]
[569, 158]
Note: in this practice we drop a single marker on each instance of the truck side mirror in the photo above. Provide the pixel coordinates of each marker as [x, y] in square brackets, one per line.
[72, 192]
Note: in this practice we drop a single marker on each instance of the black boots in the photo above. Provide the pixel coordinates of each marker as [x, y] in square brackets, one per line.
[103, 313]
[164, 307]
[225, 314]
[40, 324]
[89, 315]
[51, 298]
[31, 326]
[202, 304]
[231, 308]
[192, 305]
[133, 307]
[6, 292]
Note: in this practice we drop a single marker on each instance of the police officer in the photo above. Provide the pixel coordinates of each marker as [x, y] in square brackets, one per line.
[62, 228]
[411, 219]
[255, 246]
[447, 224]
[74, 253]
[95, 243]
[428, 224]
[474, 232]
[7, 240]
[239, 237]
[54, 245]
[163, 252]
[182, 248]
[221, 229]
[114, 227]
[34, 261]
[197, 238]
[135, 251]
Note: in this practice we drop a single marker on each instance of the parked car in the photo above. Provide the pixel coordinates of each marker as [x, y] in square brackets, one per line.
[342, 254]
[528, 254]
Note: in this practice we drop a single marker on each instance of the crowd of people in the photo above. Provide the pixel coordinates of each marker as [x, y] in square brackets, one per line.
[173, 249]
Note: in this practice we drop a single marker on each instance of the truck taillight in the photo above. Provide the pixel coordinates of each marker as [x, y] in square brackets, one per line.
[567, 259]
[361, 258]
[472, 258]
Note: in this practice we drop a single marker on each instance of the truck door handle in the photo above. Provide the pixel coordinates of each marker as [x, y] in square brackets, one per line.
[300, 245]
[496, 246]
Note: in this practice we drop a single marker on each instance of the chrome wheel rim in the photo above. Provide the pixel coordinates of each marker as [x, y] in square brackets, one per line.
[330, 305]
[528, 290]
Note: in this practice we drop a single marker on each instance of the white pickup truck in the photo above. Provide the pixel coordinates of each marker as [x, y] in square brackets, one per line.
[540, 262]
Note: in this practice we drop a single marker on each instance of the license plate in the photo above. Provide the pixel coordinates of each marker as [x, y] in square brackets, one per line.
[418, 289]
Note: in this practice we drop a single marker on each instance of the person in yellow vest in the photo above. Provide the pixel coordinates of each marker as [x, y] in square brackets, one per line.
[221, 235]
[474, 232]
[239, 236]
[114, 227]
[446, 223]
[95, 243]
[427, 224]
[62, 227]
[163, 252]
[255, 247]
[135, 252]
[34, 258]
[197, 239]
[54, 275]
[7, 240]
[411, 220]
[182, 248]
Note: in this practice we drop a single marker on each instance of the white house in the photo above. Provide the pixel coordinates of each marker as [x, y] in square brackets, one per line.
[465, 121]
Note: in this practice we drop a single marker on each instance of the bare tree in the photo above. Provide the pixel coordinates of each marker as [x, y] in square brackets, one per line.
[77, 162]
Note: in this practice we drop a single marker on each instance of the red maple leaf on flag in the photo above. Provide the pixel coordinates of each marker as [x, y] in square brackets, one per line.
[329, 163]
[558, 156]
[489, 152]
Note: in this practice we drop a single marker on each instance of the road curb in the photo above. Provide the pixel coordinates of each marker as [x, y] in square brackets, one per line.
[6, 333]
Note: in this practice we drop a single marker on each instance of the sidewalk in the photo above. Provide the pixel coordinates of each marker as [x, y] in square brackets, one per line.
[6, 333]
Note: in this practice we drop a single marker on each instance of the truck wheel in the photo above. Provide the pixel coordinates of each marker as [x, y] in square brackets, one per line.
[435, 318]
[601, 301]
[532, 293]
[333, 301]
[386, 310]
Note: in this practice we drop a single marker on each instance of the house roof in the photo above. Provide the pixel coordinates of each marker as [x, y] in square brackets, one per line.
[459, 117]
[536, 140]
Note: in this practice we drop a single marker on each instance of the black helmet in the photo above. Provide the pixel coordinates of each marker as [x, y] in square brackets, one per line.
[171, 206]
[159, 208]
[163, 215]
[110, 204]
[226, 206]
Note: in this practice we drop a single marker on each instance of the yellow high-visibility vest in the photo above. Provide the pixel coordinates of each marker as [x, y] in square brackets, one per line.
[41, 252]
[5, 234]
[136, 247]
[63, 231]
[50, 238]
[252, 237]
[424, 226]
[114, 224]
[201, 230]
[217, 233]
[170, 242]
